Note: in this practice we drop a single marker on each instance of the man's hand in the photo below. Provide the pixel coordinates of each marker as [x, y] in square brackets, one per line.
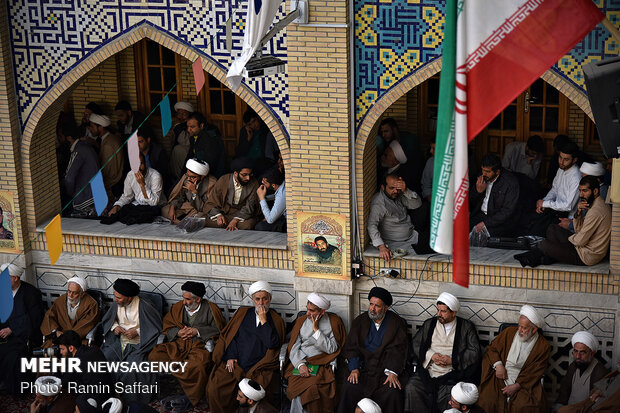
[315, 322]
[481, 185]
[232, 225]
[249, 132]
[261, 191]
[187, 333]
[304, 371]
[354, 377]
[172, 214]
[190, 186]
[131, 333]
[262, 314]
[393, 381]
[539, 206]
[35, 406]
[119, 330]
[230, 365]
[58, 333]
[114, 210]
[385, 253]
[221, 221]
[401, 185]
[5, 332]
[595, 394]
[564, 223]
[441, 359]
[479, 227]
[500, 372]
[511, 390]
[582, 206]
[140, 178]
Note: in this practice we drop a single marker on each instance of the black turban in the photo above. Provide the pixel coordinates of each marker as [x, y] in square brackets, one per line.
[382, 294]
[126, 287]
[243, 162]
[195, 288]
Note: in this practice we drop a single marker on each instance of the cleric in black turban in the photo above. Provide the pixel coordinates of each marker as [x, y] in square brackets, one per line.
[126, 287]
[196, 288]
[382, 294]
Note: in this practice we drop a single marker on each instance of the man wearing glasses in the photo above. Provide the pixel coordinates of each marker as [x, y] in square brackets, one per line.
[189, 196]
[234, 202]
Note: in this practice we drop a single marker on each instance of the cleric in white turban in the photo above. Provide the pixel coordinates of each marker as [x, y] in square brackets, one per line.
[189, 196]
[248, 347]
[464, 397]
[320, 301]
[49, 397]
[14, 270]
[583, 372]
[397, 149]
[101, 120]
[451, 301]
[186, 106]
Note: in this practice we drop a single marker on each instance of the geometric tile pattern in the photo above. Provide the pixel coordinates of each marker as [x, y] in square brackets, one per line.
[394, 38]
[49, 38]
[561, 324]
[228, 295]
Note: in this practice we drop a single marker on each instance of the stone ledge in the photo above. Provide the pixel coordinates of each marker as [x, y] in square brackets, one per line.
[170, 233]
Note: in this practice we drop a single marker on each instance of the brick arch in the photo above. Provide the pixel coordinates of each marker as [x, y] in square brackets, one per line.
[39, 135]
[364, 147]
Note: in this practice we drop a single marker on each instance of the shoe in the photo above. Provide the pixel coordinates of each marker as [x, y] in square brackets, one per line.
[532, 258]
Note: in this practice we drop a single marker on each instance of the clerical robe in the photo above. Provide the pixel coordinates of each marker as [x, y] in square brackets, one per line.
[24, 323]
[576, 385]
[255, 346]
[185, 202]
[209, 321]
[609, 402]
[118, 348]
[317, 394]
[262, 407]
[429, 389]
[531, 397]
[373, 351]
[57, 318]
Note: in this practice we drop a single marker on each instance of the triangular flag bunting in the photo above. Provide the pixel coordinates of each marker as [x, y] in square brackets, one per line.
[229, 34]
[99, 194]
[134, 150]
[166, 118]
[53, 232]
[6, 296]
[199, 75]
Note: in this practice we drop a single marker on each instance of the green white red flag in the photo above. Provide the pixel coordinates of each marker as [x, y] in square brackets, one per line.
[492, 51]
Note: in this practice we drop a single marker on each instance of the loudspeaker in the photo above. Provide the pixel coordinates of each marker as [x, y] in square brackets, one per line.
[603, 85]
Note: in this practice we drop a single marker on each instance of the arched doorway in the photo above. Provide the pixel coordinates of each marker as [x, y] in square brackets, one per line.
[414, 105]
[41, 189]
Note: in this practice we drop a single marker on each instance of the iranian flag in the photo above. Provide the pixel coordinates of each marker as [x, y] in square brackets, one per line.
[492, 51]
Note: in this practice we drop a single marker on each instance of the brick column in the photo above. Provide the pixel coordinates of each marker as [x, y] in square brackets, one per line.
[319, 83]
[10, 159]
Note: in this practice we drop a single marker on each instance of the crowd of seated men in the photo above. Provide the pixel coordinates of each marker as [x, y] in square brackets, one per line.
[193, 180]
[570, 217]
[235, 365]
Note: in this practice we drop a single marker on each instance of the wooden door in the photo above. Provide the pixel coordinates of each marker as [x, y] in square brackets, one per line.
[224, 109]
[540, 110]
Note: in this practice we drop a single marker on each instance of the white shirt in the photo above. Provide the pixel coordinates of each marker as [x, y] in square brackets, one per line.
[564, 193]
[279, 206]
[487, 194]
[133, 193]
[191, 313]
[238, 188]
[16, 290]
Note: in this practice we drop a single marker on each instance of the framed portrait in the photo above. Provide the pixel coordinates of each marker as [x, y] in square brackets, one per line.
[321, 245]
[9, 241]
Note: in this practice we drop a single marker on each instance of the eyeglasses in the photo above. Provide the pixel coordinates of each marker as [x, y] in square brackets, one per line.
[245, 175]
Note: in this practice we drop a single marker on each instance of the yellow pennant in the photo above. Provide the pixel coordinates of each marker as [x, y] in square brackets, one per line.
[53, 232]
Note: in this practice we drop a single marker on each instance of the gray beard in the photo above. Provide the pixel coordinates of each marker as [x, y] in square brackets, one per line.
[192, 308]
[376, 317]
[526, 337]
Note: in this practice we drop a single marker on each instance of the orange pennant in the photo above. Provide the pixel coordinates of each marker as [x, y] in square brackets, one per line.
[199, 75]
[53, 232]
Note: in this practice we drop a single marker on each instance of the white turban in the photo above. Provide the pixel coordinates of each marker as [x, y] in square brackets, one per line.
[449, 300]
[368, 406]
[319, 301]
[260, 286]
[115, 405]
[465, 393]
[101, 120]
[79, 281]
[594, 169]
[197, 166]
[533, 315]
[399, 154]
[250, 392]
[586, 338]
[14, 270]
[185, 106]
[452, 410]
[48, 385]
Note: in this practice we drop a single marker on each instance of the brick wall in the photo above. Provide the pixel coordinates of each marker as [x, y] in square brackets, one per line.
[100, 85]
[319, 84]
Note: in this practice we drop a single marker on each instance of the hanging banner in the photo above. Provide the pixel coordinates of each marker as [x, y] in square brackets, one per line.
[53, 233]
[166, 118]
[199, 75]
